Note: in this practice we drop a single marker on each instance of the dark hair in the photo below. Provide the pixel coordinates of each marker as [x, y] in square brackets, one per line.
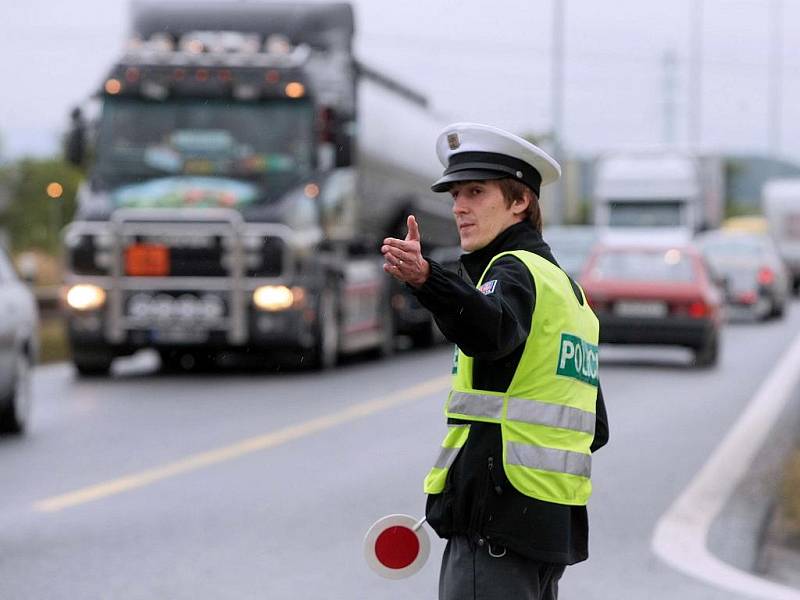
[516, 190]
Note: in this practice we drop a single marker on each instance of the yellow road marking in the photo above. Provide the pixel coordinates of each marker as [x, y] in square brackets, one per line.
[246, 446]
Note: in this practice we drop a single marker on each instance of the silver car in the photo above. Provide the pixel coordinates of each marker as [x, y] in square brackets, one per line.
[757, 283]
[571, 245]
[19, 347]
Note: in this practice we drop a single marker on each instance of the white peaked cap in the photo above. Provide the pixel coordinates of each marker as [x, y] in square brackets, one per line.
[475, 152]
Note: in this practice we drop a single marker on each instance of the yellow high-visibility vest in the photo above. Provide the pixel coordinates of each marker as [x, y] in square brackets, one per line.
[547, 414]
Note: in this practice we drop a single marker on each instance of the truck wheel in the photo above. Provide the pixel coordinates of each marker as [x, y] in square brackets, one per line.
[387, 345]
[707, 354]
[778, 310]
[326, 351]
[15, 414]
[92, 366]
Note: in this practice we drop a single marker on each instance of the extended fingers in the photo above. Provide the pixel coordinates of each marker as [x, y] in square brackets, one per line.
[397, 254]
[413, 229]
[410, 246]
[393, 259]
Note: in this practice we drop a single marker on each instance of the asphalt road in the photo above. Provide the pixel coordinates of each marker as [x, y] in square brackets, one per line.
[261, 485]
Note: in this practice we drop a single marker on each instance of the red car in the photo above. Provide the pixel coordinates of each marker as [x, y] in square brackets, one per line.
[660, 294]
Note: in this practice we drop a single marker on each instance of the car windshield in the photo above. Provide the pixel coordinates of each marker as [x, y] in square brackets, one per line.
[645, 213]
[670, 265]
[269, 141]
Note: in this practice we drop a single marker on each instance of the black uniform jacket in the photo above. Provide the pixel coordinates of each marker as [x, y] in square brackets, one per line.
[478, 500]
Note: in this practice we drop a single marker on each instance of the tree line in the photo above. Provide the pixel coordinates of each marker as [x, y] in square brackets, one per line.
[31, 213]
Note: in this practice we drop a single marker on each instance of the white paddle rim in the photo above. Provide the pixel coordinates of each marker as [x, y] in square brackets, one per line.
[405, 526]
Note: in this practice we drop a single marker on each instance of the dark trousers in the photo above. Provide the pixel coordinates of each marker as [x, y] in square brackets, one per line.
[482, 571]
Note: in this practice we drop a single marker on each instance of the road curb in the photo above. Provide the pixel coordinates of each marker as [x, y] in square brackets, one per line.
[681, 536]
[738, 533]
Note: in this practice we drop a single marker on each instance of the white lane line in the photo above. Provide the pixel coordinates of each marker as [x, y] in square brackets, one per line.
[681, 534]
[241, 448]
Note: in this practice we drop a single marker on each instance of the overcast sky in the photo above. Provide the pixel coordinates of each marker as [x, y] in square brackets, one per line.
[477, 60]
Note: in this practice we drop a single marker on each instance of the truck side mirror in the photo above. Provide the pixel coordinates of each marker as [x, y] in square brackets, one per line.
[28, 268]
[75, 144]
[344, 150]
[721, 281]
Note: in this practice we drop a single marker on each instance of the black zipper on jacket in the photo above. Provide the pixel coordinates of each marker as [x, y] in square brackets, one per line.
[497, 489]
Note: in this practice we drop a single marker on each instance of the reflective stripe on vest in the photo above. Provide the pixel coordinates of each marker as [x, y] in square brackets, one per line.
[549, 459]
[490, 407]
[472, 404]
[547, 414]
[553, 415]
[453, 442]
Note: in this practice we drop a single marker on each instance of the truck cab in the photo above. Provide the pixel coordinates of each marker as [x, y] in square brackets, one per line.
[657, 191]
[220, 211]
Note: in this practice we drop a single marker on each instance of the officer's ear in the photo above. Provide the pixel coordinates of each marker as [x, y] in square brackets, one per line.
[520, 204]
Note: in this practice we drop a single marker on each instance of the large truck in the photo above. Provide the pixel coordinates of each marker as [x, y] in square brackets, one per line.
[780, 202]
[236, 195]
[659, 190]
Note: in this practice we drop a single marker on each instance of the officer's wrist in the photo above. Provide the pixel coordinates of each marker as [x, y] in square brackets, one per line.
[425, 274]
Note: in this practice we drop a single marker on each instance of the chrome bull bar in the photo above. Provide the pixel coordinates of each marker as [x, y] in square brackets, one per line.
[227, 224]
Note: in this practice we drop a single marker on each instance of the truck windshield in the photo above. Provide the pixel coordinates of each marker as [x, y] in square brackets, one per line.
[646, 213]
[269, 141]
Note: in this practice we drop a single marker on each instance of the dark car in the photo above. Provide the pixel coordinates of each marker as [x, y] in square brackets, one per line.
[757, 283]
[661, 295]
[19, 345]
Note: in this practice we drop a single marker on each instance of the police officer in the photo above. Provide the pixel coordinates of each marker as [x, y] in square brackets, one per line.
[526, 412]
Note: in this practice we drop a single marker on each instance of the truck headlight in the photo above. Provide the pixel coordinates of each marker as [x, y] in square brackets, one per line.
[274, 297]
[86, 296]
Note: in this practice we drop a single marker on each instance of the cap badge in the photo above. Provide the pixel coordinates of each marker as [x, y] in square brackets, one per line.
[453, 141]
[519, 174]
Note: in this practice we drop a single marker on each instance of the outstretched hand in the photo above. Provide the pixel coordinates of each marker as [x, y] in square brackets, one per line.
[403, 258]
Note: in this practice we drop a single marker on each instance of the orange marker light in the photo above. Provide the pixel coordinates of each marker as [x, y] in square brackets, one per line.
[295, 89]
[54, 189]
[113, 86]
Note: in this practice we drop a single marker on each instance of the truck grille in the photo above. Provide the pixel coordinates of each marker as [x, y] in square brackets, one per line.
[268, 262]
[198, 262]
[213, 259]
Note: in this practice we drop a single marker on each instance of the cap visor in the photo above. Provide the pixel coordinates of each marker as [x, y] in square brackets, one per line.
[443, 184]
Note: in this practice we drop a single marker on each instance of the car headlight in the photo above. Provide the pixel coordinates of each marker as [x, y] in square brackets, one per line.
[86, 296]
[278, 297]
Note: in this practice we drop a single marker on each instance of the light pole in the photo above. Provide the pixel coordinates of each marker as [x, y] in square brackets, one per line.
[695, 104]
[557, 104]
[775, 77]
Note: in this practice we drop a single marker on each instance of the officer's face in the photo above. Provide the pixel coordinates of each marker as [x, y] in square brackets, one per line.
[481, 212]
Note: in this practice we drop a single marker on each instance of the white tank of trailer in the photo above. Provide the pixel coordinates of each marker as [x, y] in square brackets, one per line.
[397, 163]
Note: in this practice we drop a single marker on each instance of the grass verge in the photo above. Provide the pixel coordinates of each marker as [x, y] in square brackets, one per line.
[790, 500]
[53, 345]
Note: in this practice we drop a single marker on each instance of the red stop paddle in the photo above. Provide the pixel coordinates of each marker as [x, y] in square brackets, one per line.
[396, 546]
